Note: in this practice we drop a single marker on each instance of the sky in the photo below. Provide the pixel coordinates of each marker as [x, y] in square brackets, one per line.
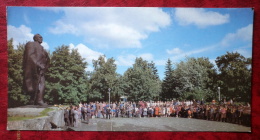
[124, 33]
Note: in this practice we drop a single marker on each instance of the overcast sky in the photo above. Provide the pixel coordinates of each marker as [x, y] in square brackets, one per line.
[155, 34]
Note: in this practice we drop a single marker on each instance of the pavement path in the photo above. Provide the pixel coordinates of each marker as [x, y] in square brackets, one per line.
[159, 124]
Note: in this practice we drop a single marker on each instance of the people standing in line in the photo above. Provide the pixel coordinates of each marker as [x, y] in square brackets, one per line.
[238, 114]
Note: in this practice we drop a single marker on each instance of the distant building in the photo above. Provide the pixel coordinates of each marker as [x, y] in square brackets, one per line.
[123, 99]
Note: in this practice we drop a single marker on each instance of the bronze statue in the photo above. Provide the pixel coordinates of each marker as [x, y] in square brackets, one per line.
[35, 64]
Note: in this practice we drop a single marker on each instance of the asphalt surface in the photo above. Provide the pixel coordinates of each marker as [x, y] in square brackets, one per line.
[158, 124]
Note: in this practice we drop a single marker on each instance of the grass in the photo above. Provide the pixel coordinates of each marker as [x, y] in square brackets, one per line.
[42, 114]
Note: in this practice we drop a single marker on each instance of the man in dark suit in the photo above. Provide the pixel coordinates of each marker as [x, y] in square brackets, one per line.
[66, 117]
[35, 64]
[108, 112]
[71, 116]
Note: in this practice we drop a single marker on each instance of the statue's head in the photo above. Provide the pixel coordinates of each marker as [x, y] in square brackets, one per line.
[37, 38]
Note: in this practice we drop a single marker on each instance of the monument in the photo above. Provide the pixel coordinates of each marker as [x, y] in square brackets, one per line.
[35, 64]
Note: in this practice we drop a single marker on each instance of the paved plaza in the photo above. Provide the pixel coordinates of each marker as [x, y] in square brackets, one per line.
[159, 124]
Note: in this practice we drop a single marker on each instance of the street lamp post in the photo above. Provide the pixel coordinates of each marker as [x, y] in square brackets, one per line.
[218, 93]
[109, 96]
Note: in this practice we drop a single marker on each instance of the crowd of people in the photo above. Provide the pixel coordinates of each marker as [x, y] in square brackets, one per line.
[224, 112]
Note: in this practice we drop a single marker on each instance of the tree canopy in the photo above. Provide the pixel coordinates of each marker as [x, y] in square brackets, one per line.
[235, 76]
[16, 96]
[195, 78]
[143, 83]
[67, 80]
[102, 78]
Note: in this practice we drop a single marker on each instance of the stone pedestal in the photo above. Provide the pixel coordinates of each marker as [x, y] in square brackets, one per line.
[54, 120]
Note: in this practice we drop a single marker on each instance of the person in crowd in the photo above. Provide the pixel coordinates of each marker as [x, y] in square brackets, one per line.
[76, 116]
[168, 111]
[71, 116]
[103, 112]
[108, 112]
[113, 110]
[149, 112]
[223, 111]
[137, 112]
[66, 117]
[88, 113]
[216, 115]
[207, 112]
[173, 111]
[145, 112]
[117, 110]
[94, 108]
[163, 110]
[131, 110]
[152, 110]
[141, 111]
[83, 113]
[231, 113]
[189, 113]
[212, 112]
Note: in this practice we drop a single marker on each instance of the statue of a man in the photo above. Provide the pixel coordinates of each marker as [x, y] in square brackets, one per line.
[35, 64]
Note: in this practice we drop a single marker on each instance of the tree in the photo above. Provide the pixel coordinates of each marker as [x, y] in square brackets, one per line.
[104, 77]
[195, 78]
[235, 76]
[168, 84]
[142, 81]
[16, 97]
[154, 70]
[66, 77]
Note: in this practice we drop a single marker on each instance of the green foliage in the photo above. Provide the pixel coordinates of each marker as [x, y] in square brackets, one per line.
[104, 77]
[142, 80]
[235, 76]
[66, 82]
[169, 83]
[195, 76]
[16, 97]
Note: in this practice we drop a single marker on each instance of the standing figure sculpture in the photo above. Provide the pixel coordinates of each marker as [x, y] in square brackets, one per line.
[35, 64]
